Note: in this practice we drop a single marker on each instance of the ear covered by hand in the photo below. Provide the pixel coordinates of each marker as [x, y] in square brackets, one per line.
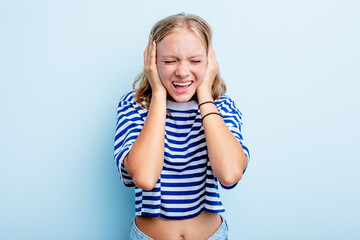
[211, 71]
[150, 67]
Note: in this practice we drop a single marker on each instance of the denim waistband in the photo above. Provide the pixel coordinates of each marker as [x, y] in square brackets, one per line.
[220, 234]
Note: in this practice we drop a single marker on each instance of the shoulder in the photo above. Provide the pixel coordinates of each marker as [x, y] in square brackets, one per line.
[127, 99]
[224, 99]
[225, 103]
[127, 105]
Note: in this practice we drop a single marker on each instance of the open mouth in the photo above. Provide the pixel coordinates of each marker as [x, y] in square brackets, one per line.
[182, 85]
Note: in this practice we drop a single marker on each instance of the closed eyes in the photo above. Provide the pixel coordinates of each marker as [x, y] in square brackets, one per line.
[169, 62]
[193, 61]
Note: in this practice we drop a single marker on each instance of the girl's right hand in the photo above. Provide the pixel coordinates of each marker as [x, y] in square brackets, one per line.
[150, 68]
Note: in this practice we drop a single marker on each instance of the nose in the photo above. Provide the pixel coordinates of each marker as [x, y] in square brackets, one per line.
[182, 70]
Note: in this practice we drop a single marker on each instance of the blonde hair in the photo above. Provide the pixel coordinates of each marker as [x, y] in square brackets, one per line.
[161, 29]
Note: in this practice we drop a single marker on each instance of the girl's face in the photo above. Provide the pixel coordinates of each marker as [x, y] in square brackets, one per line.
[181, 63]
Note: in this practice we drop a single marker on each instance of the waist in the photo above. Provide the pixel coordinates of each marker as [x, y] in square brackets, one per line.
[200, 227]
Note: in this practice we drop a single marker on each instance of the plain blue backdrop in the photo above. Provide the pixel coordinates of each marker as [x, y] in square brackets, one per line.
[291, 66]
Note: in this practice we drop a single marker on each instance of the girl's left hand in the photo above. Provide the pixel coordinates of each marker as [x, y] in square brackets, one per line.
[211, 71]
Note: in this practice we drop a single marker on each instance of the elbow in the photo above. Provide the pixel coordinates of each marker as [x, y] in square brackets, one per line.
[143, 178]
[231, 179]
[233, 173]
[145, 183]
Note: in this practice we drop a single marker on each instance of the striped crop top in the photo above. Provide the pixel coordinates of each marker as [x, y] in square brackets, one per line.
[187, 185]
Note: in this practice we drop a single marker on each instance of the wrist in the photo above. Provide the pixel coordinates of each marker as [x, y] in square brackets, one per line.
[204, 94]
[159, 94]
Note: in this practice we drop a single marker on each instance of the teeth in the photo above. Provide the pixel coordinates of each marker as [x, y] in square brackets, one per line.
[182, 84]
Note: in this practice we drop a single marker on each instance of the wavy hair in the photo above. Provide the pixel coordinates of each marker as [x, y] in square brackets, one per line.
[161, 29]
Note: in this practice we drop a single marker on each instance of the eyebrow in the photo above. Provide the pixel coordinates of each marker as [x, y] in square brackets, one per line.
[172, 56]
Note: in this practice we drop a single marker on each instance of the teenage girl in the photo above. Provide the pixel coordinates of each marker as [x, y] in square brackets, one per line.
[178, 136]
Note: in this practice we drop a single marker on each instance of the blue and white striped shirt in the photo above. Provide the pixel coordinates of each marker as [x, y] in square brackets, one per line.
[187, 185]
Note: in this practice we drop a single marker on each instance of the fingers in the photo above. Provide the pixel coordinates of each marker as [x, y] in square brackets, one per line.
[147, 53]
[153, 55]
[210, 74]
[212, 62]
[150, 56]
[150, 67]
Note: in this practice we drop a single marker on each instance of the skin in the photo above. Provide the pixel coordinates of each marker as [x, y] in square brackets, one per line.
[181, 58]
[182, 63]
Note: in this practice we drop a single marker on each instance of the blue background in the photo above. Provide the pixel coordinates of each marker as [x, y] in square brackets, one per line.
[291, 66]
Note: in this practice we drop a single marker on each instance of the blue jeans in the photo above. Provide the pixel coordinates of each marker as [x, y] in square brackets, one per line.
[220, 234]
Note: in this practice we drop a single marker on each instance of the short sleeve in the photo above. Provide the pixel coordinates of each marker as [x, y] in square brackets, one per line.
[233, 120]
[128, 128]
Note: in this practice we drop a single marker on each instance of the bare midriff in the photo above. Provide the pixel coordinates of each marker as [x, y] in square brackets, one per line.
[200, 227]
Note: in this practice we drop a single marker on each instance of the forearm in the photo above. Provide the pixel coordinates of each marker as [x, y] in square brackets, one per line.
[226, 154]
[146, 157]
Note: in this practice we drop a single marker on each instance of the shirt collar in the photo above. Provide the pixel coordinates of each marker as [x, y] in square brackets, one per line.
[182, 106]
